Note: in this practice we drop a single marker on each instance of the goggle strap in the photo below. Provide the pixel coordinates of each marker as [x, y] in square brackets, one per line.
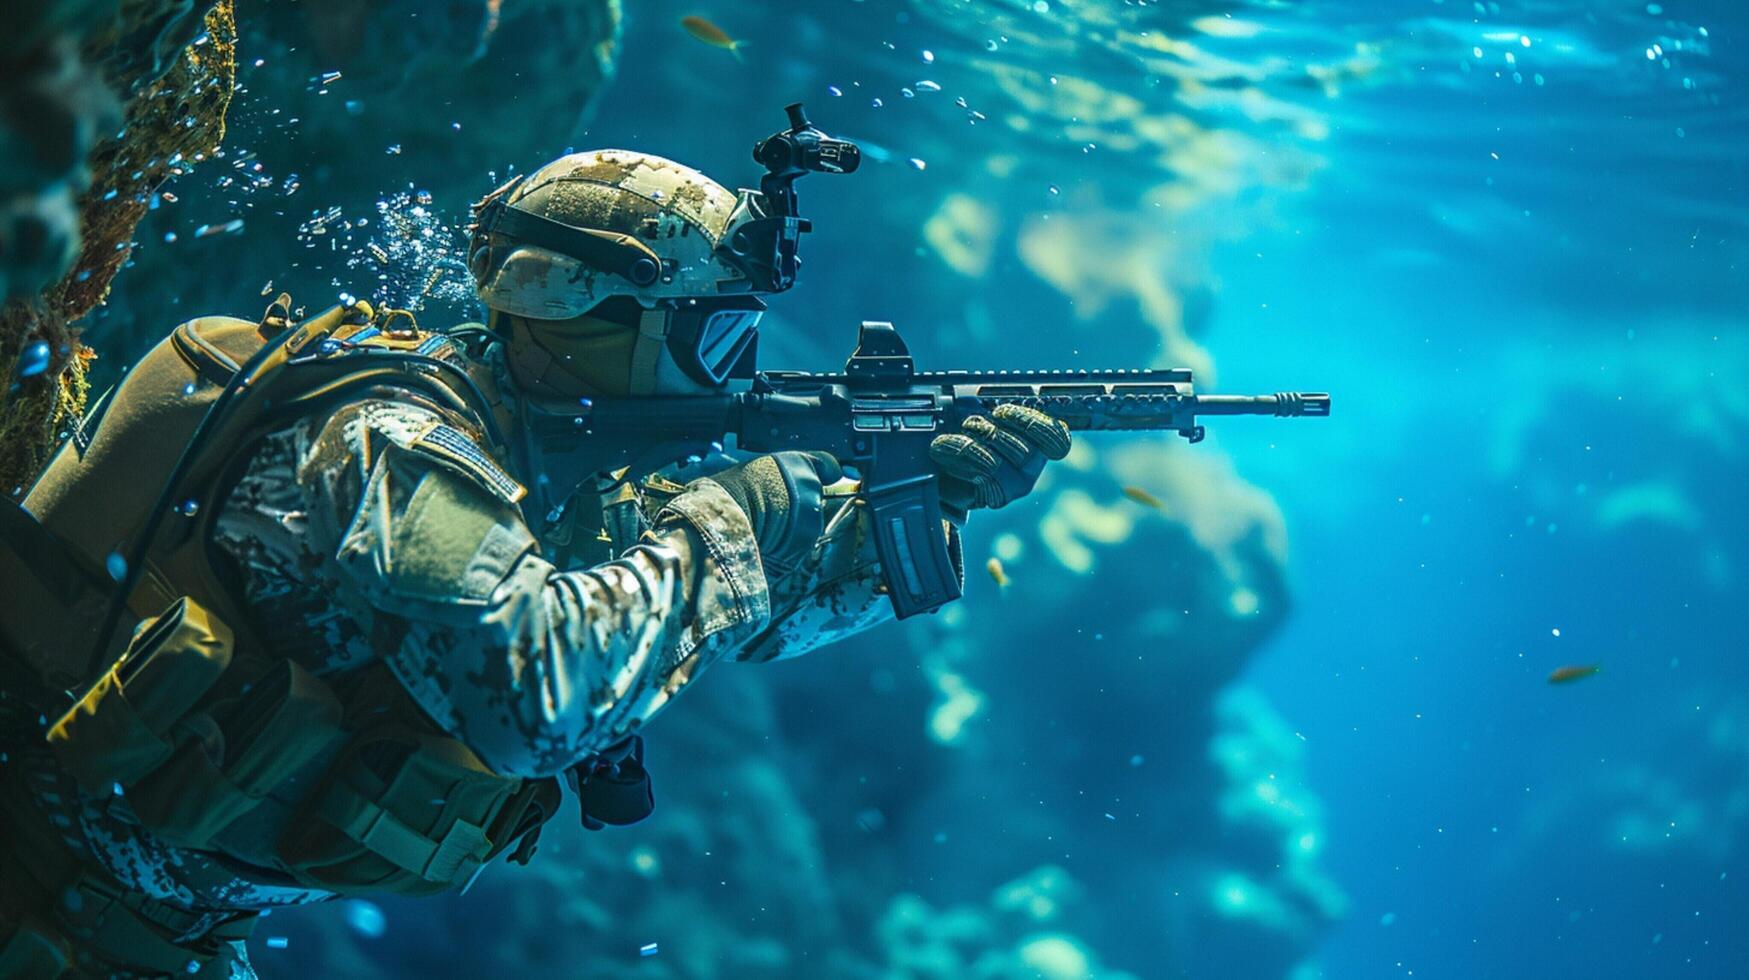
[620, 254]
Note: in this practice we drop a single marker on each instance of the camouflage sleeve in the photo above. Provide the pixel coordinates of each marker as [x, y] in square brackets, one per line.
[838, 591]
[534, 668]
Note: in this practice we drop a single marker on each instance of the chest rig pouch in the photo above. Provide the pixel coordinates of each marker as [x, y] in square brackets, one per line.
[337, 782]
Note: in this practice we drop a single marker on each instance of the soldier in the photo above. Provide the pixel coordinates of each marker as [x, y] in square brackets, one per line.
[381, 614]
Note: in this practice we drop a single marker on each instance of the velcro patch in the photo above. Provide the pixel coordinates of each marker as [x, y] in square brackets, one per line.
[451, 444]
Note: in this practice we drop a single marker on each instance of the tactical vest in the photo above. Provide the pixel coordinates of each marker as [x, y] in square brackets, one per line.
[339, 783]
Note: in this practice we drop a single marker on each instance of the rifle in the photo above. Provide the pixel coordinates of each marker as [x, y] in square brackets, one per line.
[877, 418]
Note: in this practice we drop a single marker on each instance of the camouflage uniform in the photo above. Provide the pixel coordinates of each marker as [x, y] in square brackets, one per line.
[384, 532]
[386, 546]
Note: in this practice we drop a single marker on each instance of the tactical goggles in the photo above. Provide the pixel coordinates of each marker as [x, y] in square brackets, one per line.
[710, 338]
[617, 253]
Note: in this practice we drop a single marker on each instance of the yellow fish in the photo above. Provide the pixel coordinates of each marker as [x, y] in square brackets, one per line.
[997, 575]
[1565, 675]
[711, 34]
[1144, 498]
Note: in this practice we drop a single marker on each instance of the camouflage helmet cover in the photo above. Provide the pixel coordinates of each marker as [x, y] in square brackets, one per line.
[647, 205]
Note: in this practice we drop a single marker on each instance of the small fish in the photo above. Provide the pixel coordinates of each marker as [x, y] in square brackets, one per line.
[997, 574]
[1144, 498]
[1568, 674]
[711, 34]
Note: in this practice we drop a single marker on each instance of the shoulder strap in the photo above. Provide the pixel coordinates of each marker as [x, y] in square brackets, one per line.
[49, 594]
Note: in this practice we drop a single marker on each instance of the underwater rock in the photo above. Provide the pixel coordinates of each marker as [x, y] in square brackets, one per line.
[1075, 720]
[41, 171]
[1018, 934]
[1258, 904]
[71, 202]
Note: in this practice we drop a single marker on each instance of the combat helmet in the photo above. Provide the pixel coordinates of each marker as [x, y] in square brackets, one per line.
[617, 237]
[591, 226]
[612, 226]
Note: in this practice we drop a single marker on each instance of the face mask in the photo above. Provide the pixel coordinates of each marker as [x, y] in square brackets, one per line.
[692, 347]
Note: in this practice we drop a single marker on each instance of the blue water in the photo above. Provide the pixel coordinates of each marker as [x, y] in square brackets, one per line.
[1525, 284]
[1510, 238]
[1542, 430]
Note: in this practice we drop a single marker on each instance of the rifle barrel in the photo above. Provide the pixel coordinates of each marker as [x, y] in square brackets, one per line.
[1285, 404]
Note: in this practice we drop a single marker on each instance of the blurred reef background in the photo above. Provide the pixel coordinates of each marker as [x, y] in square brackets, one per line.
[1511, 237]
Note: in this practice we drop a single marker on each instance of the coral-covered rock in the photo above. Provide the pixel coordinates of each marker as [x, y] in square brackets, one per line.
[175, 92]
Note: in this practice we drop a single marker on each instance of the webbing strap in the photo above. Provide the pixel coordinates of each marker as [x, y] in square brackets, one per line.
[52, 599]
[50, 560]
[461, 849]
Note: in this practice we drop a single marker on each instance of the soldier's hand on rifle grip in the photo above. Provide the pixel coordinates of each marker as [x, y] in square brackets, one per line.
[781, 494]
[994, 461]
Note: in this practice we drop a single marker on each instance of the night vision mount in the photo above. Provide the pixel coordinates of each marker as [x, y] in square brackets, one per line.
[767, 226]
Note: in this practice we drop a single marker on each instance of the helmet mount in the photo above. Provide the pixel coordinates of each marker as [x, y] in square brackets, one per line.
[763, 234]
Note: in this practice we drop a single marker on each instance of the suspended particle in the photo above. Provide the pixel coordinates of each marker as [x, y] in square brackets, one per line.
[34, 360]
[366, 918]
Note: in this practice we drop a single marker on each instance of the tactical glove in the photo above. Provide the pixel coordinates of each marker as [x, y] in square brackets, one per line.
[994, 461]
[781, 496]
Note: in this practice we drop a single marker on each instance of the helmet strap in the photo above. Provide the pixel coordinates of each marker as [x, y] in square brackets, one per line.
[647, 351]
